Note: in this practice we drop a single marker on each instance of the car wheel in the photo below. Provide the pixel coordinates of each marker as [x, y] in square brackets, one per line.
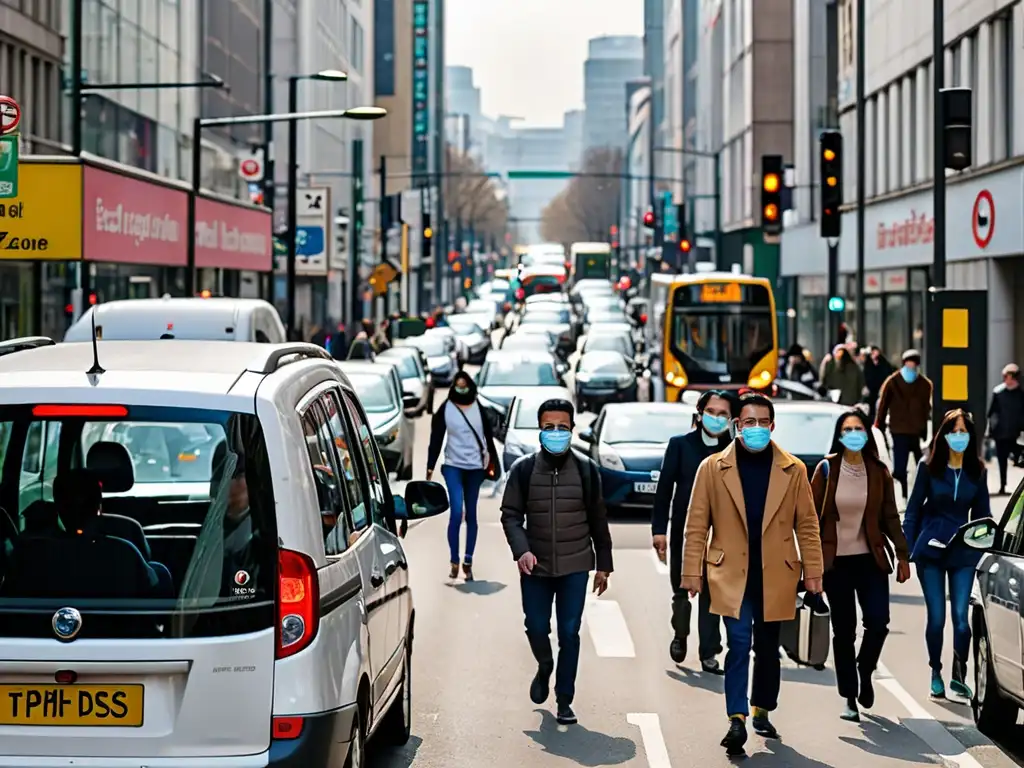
[357, 749]
[396, 727]
[993, 714]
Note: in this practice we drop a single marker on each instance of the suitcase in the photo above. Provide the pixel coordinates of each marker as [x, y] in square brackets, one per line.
[807, 636]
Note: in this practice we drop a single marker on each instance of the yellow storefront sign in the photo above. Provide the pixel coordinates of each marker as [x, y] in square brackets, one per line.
[44, 222]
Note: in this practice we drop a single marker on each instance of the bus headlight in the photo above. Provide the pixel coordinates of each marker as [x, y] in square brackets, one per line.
[759, 380]
[676, 379]
[762, 374]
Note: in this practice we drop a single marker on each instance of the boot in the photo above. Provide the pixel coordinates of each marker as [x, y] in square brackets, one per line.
[467, 570]
[540, 686]
[958, 677]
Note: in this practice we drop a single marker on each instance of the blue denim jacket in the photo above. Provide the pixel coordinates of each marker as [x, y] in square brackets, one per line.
[933, 513]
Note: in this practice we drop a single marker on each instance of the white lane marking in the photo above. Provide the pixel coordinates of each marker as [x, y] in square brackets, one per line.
[659, 566]
[652, 738]
[921, 723]
[608, 630]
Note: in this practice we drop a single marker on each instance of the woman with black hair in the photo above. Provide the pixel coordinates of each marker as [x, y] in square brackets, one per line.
[951, 489]
[860, 530]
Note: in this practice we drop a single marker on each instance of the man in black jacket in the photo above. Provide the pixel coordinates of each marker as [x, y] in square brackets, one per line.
[678, 470]
[1006, 419]
[556, 524]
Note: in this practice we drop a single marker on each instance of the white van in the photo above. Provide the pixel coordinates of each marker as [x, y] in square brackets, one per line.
[191, 319]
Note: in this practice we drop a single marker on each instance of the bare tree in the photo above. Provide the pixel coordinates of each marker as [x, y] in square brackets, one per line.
[473, 197]
[588, 207]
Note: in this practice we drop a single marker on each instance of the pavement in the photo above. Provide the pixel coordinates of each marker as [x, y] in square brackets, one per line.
[472, 669]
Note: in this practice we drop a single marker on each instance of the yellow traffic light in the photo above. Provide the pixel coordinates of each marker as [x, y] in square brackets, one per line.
[831, 181]
[771, 183]
[467, 283]
[457, 266]
[428, 233]
[829, 155]
[771, 212]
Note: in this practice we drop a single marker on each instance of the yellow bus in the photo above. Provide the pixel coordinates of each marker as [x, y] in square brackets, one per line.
[711, 330]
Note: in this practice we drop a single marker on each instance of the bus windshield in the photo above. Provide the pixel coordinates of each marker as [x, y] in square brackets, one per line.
[720, 330]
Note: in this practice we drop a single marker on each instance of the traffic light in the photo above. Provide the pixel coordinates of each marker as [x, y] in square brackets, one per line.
[957, 113]
[771, 195]
[831, 182]
[685, 246]
[428, 237]
[649, 220]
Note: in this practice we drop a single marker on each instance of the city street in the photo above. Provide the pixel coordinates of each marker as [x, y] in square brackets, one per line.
[472, 669]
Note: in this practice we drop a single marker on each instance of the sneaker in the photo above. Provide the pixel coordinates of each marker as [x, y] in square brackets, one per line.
[763, 726]
[540, 686]
[711, 666]
[957, 685]
[564, 714]
[454, 572]
[467, 571]
[938, 688]
[677, 649]
[867, 690]
[735, 737]
[851, 714]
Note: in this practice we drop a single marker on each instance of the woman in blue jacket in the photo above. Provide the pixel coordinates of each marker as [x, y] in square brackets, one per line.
[951, 489]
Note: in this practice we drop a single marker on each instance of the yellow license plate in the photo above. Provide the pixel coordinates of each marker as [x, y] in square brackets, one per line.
[72, 705]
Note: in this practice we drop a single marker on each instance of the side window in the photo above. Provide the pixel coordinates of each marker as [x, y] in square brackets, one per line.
[1010, 540]
[376, 472]
[324, 465]
[351, 471]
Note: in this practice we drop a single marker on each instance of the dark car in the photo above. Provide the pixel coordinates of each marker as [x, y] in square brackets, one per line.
[604, 377]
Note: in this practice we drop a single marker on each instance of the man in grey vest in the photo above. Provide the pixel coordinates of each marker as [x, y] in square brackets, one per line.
[556, 524]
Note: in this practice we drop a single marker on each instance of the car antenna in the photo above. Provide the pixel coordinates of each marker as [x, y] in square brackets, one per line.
[96, 367]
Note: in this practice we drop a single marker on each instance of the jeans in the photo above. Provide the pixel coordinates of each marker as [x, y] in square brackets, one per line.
[463, 489]
[709, 625]
[751, 632]
[902, 447]
[568, 593]
[857, 579]
[933, 578]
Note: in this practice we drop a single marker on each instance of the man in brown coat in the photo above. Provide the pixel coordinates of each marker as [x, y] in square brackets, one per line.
[905, 402]
[751, 506]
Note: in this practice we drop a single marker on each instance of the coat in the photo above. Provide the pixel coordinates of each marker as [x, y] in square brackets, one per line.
[716, 531]
[936, 509]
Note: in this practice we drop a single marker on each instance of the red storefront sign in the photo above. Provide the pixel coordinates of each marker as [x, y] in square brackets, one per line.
[233, 236]
[919, 228]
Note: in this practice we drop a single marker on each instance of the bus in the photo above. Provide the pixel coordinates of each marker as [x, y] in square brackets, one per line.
[711, 330]
[591, 260]
[547, 278]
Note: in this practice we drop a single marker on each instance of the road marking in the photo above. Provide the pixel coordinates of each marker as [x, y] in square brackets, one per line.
[652, 738]
[659, 566]
[608, 630]
[923, 725]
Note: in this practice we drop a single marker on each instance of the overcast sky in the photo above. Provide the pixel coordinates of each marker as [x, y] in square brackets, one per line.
[527, 55]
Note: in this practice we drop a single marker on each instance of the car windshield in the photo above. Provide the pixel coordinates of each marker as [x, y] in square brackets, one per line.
[433, 345]
[608, 342]
[169, 549]
[374, 392]
[546, 316]
[406, 365]
[656, 428]
[479, 306]
[804, 433]
[527, 341]
[464, 327]
[526, 415]
[518, 373]
[610, 363]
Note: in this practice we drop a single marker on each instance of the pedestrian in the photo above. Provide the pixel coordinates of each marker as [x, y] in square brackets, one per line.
[678, 470]
[468, 455]
[556, 524]
[362, 345]
[1006, 419]
[798, 368]
[752, 497]
[844, 375]
[860, 534]
[905, 402]
[951, 489]
[876, 370]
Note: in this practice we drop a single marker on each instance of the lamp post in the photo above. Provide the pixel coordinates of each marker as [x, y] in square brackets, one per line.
[356, 113]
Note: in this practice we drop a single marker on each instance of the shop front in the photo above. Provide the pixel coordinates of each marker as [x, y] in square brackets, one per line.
[233, 247]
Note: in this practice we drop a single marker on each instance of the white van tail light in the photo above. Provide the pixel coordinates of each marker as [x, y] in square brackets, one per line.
[298, 602]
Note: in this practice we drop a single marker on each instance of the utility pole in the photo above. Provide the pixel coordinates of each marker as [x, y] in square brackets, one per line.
[440, 148]
[939, 143]
[385, 225]
[862, 164]
[269, 178]
[355, 241]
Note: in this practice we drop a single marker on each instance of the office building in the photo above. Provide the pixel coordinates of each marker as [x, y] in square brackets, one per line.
[522, 149]
[573, 123]
[636, 192]
[710, 65]
[463, 121]
[612, 62]
[654, 61]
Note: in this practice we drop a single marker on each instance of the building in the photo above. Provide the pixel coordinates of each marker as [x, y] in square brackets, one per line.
[612, 62]
[709, 120]
[529, 149]
[463, 127]
[636, 193]
[984, 228]
[655, 64]
[573, 124]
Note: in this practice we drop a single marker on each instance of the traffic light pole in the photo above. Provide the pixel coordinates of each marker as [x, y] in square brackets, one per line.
[862, 168]
[833, 283]
[939, 145]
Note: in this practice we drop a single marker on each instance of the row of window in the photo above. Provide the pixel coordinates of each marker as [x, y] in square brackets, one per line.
[46, 12]
[34, 82]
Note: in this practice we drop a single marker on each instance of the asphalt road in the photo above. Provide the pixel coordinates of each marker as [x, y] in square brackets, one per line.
[472, 669]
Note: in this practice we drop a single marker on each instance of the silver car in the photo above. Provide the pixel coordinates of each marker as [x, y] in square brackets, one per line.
[441, 352]
[522, 432]
[417, 384]
[471, 333]
[381, 398]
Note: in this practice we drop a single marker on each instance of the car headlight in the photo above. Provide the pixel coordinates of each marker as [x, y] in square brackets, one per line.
[583, 378]
[389, 435]
[609, 459]
[625, 380]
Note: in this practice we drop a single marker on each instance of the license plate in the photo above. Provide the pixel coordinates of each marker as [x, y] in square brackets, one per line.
[90, 706]
[645, 487]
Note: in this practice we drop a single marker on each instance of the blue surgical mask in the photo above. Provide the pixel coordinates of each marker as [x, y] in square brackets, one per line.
[756, 438]
[555, 441]
[714, 425]
[909, 374]
[854, 441]
[958, 441]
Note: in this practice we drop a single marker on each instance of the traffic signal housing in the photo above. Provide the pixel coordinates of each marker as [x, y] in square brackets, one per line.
[771, 195]
[428, 237]
[650, 220]
[831, 143]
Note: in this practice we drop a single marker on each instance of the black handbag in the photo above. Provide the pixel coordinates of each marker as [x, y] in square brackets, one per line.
[807, 636]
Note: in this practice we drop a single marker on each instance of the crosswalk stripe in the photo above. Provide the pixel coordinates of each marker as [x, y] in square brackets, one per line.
[608, 629]
[652, 737]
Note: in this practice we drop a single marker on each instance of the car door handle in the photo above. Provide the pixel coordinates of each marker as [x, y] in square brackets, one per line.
[390, 568]
[376, 579]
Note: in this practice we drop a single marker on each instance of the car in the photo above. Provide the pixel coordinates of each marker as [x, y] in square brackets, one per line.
[520, 433]
[610, 340]
[442, 357]
[558, 324]
[602, 302]
[166, 612]
[472, 336]
[535, 342]
[555, 299]
[604, 377]
[485, 312]
[505, 374]
[461, 351]
[416, 379]
[194, 319]
[628, 441]
[591, 286]
[595, 317]
[805, 429]
[382, 399]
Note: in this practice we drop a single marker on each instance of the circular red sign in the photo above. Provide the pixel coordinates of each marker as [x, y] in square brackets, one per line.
[10, 115]
[983, 219]
[250, 167]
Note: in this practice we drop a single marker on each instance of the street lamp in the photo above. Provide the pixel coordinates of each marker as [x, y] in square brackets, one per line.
[356, 113]
[209, 81]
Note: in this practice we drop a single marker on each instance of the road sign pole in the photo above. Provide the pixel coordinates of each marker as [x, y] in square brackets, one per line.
[834, 313]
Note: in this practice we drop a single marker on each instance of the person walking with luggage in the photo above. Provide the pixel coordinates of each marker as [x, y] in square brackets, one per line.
[860, 528]
[950, 490]
[905, 402]
[755, 501]
[556, 525]
[469, 456]
[1006, 419]
[678, 469]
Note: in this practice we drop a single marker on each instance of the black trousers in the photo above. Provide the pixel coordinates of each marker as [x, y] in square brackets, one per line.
[902, 448]
[709, 625]
[1004, 450]
[854, 579]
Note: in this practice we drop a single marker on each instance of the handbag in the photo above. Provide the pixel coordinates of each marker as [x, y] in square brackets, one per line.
[491, 470]
[806, 637]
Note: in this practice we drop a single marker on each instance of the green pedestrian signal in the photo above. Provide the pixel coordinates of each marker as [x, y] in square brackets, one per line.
[836, 304]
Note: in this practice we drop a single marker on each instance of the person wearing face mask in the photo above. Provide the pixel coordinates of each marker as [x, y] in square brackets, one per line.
[751, 506]
[876, 370]
[678, 469]
[951, 489]
[1006, 419]
[469, 459]
[905, 402]
[844, 375]
[860, 533]
[556, 525]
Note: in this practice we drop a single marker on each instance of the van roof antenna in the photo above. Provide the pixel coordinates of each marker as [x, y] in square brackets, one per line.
[96, 367]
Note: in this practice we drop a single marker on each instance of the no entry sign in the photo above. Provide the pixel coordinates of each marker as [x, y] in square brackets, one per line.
[10, 115]
[983, 219]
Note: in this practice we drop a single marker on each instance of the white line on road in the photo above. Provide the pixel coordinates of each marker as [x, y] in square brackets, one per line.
[608, 630]
[652, 738]
[921, 723]
[659, 566]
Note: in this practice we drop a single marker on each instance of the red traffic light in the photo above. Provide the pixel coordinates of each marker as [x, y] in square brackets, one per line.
[649, 219]
[685, 246]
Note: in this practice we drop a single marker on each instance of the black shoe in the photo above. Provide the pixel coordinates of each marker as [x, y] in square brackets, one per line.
[763, 726]
[677, 649]
[867, 690]
[711, 666]
[564, 714]
[735, 737]
[540, 687]
[851, 714]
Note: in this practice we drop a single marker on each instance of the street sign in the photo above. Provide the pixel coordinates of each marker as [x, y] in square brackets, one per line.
[8, 166]
[10, 115]
[382, 276]
[250, 168]
[312, 232]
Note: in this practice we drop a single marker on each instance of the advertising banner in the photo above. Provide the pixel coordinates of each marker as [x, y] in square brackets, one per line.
[232, 236]
[44, 221]
[313, 233]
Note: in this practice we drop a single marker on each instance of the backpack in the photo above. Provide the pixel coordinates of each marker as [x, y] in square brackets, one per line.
[588, 477]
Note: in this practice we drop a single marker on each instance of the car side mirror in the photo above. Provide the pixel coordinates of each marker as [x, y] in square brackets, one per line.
[422, 499]
[561, 368]
[587, 435]
[409, 401]
[978, 534]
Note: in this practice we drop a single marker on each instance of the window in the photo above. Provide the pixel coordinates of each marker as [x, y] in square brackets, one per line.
[846, 34]
[375, 469]
[1010, 526]
[323, 462]
[911, 148]
[39, 463]
[358, 51]
[352, 471]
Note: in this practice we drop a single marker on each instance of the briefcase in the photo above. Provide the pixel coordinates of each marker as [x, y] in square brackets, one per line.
[807, 636]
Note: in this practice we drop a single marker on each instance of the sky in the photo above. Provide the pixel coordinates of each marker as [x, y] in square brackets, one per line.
[527, 55]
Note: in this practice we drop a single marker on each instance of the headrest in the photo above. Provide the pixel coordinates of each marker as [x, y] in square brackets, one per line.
[112, 464]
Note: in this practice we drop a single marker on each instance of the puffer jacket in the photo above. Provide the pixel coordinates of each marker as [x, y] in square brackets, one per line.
[563, 532]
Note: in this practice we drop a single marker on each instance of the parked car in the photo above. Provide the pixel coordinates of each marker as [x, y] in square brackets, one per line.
[472, 336]
[416, 379]
[442, 357]
[382, 399]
